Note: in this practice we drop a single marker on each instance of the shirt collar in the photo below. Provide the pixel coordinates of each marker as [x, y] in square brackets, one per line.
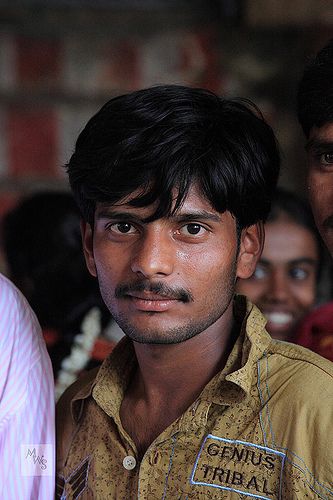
[110, 383]
[234, 382]
[228, 386]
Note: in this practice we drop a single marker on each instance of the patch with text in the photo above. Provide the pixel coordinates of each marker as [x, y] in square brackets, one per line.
[74, 485]
[234, 465]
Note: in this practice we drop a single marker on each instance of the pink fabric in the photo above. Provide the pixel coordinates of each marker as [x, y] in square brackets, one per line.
[26, 398]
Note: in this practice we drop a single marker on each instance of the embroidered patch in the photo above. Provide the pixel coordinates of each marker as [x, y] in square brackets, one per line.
[75, 483]
[245, 468]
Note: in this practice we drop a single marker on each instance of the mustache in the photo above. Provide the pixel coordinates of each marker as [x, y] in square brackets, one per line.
[158, 288]
[328, 222]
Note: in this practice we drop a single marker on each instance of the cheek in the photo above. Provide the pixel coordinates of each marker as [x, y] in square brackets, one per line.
[205, 271]
[196, 261]
[305, 294]
[109, 267]
[320, 190]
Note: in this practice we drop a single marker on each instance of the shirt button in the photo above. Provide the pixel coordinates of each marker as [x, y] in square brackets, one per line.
[129, 463]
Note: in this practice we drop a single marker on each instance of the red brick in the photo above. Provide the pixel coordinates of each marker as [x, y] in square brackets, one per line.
[7, 202]
[37, 60]
[32, 142]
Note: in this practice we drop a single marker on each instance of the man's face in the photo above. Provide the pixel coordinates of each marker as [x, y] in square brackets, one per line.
[171, 279]
[320, 180]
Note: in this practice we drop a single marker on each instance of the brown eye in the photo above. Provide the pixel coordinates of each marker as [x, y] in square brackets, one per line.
[327, 158]
[122, 228]
[192, 229]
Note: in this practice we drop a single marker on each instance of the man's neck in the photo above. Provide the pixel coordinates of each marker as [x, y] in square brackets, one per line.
[169, 378]
[179, 369]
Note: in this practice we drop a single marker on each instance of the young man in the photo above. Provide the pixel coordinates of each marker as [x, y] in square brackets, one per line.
[197, 401]
[315, 114]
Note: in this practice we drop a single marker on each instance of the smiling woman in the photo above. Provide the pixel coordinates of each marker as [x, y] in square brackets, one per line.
[284, 284]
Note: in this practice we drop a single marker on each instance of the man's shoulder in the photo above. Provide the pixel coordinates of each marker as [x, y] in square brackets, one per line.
[304, 373]
[286, 356]
[294, 353]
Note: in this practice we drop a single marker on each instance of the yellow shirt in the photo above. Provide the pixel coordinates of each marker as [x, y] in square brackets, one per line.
[261, 428]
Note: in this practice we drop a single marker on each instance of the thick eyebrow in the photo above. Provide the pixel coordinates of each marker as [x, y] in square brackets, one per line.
[319, 144]
[119, 216]
[201, 215]
[264, 262]
[294, 262]
[303, 260]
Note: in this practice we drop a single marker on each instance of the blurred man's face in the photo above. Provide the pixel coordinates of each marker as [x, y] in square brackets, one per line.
[320, 180]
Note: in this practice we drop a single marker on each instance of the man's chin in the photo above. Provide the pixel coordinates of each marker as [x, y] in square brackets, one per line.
[158, 338]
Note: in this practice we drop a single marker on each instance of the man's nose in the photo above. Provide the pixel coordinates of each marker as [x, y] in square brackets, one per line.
[153, 254]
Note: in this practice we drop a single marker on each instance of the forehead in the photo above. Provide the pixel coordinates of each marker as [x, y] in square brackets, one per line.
[285, 240]
[322, 134]
[195, 200]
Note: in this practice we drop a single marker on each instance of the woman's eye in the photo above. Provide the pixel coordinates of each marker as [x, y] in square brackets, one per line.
[260, 273]
[122, 228]
[192, 229]
[298, 273]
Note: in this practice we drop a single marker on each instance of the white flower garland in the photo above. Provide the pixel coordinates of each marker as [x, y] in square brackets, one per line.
[80, 354]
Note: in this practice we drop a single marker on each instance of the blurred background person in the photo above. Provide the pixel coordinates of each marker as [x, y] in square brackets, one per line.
[315, 115]
[285, 283]
[43, 249]
[27, 427]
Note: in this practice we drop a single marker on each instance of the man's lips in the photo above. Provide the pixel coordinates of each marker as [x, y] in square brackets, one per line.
[151, 302]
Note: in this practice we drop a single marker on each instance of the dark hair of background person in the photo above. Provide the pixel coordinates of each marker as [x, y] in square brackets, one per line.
[315, 91]
[43, 249]
[154, 140]
[299, 211]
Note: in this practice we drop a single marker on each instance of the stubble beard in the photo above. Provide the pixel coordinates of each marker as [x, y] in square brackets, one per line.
[218, 302]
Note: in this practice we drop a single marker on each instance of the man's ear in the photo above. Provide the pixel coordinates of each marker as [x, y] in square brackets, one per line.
[88, 249]
[251, 245]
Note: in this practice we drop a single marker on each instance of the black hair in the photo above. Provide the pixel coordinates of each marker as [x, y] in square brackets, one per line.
[151, 141]
[43, 248]
[315, 91]
[297, 209]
